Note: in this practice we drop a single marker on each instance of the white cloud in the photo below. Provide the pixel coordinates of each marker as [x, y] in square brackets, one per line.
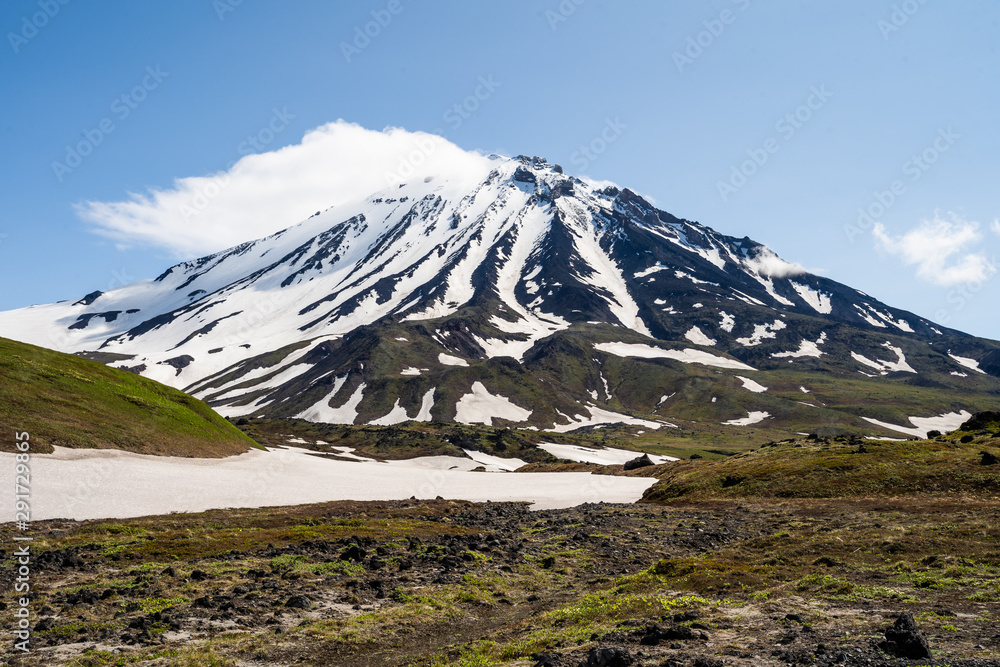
[939, 250]
[768, 264]
[267, 192]
[996, 226]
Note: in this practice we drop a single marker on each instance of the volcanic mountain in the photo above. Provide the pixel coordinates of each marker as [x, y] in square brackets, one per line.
[515, 295]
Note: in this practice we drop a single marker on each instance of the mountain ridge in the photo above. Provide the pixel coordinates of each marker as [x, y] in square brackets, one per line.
[516, 294]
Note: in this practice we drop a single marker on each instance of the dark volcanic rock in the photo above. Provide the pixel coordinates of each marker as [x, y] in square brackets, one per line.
[904, 640]
[988, 459]
[298, 602]
[613, 656]
[638, 462]
[547, 660]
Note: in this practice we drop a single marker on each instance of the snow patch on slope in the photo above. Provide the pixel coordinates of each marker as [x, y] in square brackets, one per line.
[760, 332]
[687, 355]
[480, 407]
[884, 367]
[698, 337]
[944, 423]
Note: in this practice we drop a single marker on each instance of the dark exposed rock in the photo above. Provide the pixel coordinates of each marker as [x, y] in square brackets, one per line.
[904, 640]
[988, 459]
[547, 659]
[298, 602]
[638, 462]
[354, 553]
[523, 175]
[612, 656]
[981, 421]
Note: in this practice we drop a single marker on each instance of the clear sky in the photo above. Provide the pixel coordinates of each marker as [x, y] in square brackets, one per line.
[775, 120]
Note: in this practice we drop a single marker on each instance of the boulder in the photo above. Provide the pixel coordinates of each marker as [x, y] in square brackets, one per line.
[612, 656]
[904, 640]
[639, 462]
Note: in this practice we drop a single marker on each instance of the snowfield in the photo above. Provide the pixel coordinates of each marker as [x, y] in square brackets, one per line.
[102, 484]
[608, 456]
[687, 355]
[921, 425]
[480, 407]
[751, 418]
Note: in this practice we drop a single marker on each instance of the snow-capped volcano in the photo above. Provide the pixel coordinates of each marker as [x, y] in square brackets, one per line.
[498, 293]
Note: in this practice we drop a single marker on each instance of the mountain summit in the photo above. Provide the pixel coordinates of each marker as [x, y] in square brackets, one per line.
[518, 295]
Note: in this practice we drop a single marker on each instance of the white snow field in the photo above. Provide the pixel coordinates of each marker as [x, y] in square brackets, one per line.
[944, 423]
[751, 385]
[687, 355]
[751, 418]
[602, 416]
[480, 407]
[101, 484]
[604, 456]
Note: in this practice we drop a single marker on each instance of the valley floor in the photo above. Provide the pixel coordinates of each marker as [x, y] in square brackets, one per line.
[431, 583]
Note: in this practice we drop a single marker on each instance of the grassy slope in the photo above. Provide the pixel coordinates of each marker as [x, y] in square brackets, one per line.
[64, 400]
[804, 468]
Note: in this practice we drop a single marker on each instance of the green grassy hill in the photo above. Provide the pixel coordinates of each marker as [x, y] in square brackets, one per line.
[950, 466]
[64, 400]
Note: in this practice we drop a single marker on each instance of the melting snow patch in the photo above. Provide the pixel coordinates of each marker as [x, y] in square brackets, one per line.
[884, 367]
[494, 463]
[751, 418]
[760, 332]
[961, 375]
[807, 348]
[687, 355]
[424, 415]
[803, 390]
[449, 360]
[411, 371]
[868, 318]
[728, 321]
[753, 386]
[820, 301]
[345, 414]
[944, 423]
[971, 364]
[696, 281]
[142, 485]
[396, 416]
[480, 407]
[698, 337]
[599, 416]
[649, 271]
[602, 456]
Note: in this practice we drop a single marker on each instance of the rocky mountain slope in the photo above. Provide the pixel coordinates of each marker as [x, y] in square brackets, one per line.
[514, 294]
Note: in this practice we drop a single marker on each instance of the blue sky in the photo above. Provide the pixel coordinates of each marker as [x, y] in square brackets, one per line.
[773, 120]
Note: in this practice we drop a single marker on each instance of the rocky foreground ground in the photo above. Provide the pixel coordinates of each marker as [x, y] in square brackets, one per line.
[811, 582]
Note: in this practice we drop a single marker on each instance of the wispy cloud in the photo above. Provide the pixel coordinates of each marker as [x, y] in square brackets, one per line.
[996, 226]
[940, 250]
[768, 264]
[267, 192]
